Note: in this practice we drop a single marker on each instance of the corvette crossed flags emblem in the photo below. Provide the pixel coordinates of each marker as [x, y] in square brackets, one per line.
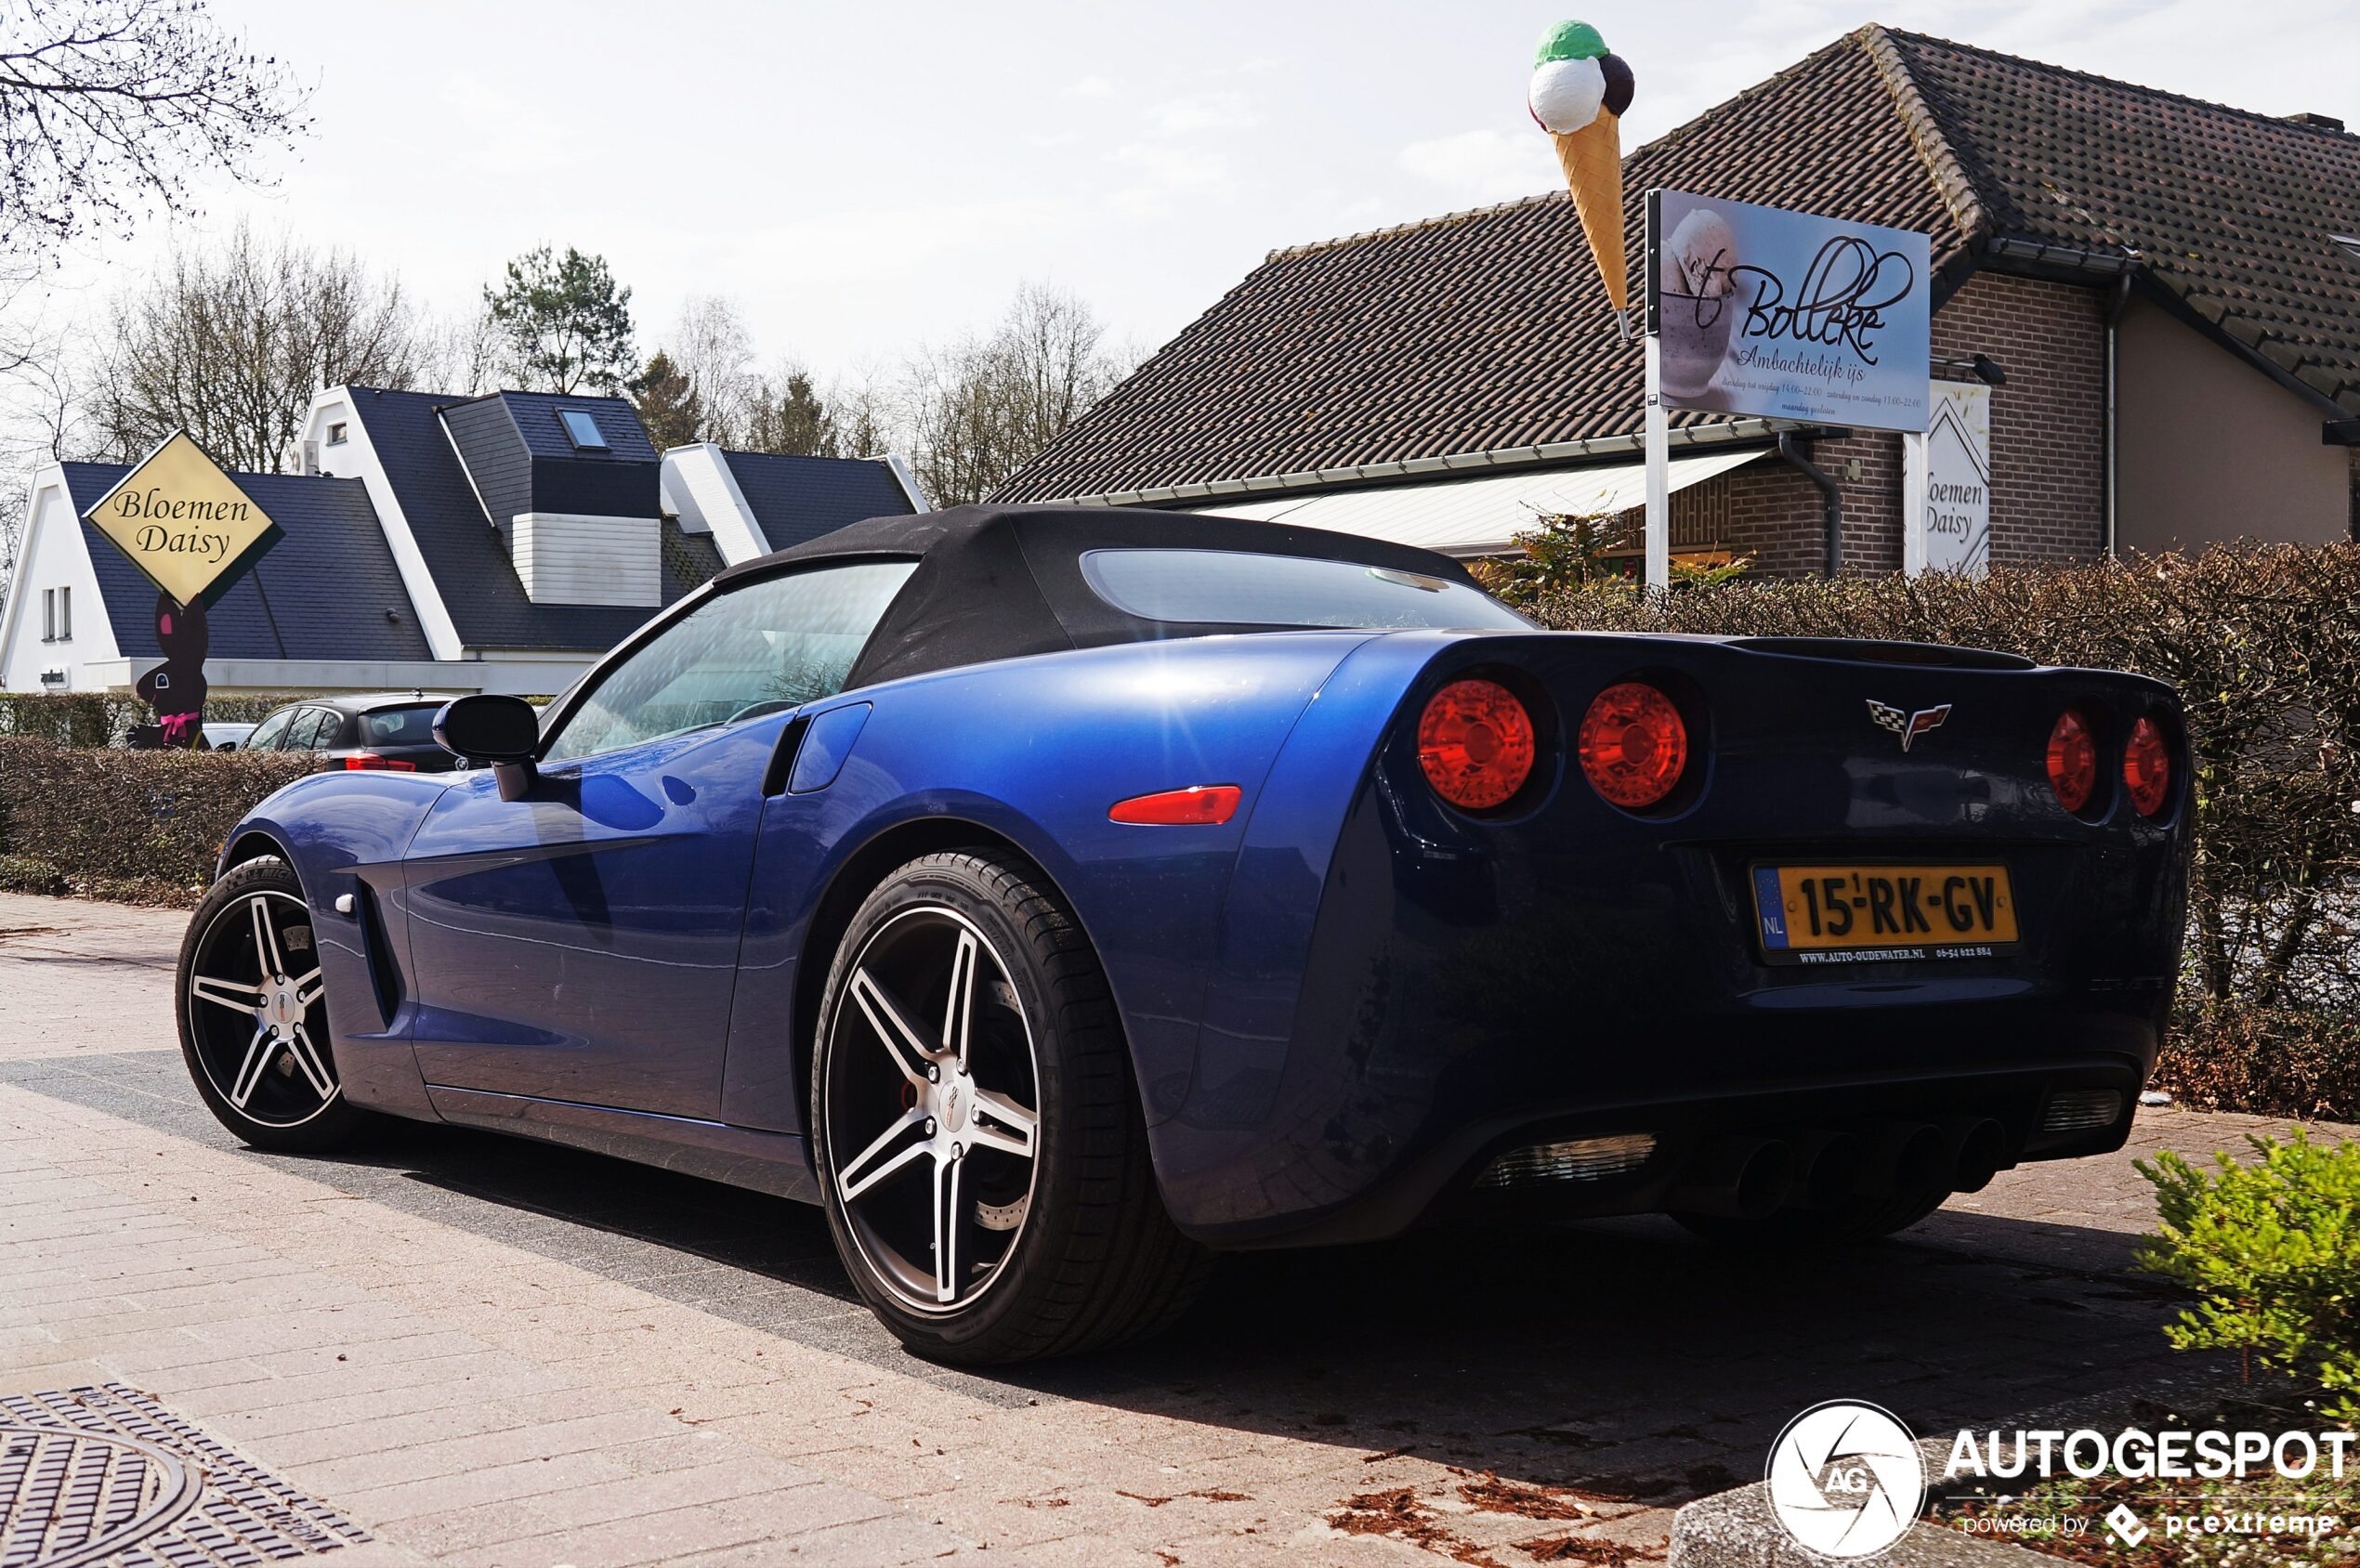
[1908, 725]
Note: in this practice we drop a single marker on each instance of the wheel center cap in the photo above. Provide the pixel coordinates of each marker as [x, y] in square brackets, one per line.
[958, 1098]
[280, 1008]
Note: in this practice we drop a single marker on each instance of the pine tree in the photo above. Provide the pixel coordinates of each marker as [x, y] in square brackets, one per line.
[566, 322]
[790, 420]
[668, 403]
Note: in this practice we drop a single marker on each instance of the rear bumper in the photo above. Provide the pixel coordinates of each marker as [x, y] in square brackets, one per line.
[1443, 989]
[1447, 1181]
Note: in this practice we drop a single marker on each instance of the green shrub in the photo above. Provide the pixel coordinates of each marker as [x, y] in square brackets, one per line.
[146, 826]
[2271, 1251]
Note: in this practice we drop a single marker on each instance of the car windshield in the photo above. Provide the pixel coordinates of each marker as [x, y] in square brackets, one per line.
[411, 725]
[1234, 588]
[772, 644]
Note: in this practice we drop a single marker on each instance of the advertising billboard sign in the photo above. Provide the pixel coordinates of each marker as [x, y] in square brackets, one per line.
[1786, 315]
[1945, 484]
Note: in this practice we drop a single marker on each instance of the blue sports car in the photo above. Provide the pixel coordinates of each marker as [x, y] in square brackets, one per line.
[1059, 896]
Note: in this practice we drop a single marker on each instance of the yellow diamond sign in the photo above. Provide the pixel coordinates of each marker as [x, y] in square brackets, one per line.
[184, 522]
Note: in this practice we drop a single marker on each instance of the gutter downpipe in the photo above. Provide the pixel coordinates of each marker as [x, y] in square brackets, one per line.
[2114, 321]
[1790, 448]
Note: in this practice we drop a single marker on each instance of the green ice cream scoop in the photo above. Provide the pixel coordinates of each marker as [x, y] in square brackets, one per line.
[1569, 40]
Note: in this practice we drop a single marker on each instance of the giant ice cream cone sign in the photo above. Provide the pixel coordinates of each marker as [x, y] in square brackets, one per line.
[1579, 94]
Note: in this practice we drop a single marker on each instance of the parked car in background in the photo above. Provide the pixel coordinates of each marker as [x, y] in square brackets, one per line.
[386, 729]
[225, 736]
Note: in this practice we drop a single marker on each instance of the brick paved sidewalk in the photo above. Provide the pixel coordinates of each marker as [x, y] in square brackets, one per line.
[484, 1352]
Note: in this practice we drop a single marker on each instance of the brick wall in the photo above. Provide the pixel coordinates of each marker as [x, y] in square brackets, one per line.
[2048, 442]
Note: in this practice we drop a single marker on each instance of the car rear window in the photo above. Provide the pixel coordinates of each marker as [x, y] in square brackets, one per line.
[400, 726]
[1233, 588]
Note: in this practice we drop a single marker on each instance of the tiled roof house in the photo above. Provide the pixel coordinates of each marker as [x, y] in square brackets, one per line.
[2172, 288]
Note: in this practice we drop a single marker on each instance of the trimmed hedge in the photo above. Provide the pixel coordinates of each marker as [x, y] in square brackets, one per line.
[2298, 1062]
[144, 827]
[98, 718]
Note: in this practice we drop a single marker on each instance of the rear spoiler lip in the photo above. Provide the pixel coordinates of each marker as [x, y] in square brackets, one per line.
[1869, 650]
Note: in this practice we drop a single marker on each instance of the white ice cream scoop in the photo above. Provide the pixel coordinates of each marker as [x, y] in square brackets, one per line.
[1567, 94]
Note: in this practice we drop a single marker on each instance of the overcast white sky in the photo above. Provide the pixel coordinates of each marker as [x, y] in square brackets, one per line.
[865, 176]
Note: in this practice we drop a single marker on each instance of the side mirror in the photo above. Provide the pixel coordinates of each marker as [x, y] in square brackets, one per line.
[503, 731]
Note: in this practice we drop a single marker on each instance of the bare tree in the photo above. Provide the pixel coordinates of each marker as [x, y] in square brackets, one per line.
[979, 408]
[109, 107]
[462, 353]
[229, 344]
[714, 347]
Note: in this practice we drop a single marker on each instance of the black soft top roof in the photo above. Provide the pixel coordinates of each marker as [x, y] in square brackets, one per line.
[1003, 582]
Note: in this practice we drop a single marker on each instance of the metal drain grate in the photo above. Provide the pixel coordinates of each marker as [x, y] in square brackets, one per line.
[107, 1475]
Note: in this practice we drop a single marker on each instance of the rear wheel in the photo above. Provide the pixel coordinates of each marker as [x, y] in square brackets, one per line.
[254, 1015]
[1844, 1224]
[976, 1129]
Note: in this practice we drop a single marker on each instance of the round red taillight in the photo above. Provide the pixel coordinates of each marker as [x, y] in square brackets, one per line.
[2146, 767]
[1633, 745]
[2073, 761]
[1476, 743]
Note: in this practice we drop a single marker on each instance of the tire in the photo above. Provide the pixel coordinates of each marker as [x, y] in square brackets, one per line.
[1010, 1129]
[1803, 1229]
[269, 1076]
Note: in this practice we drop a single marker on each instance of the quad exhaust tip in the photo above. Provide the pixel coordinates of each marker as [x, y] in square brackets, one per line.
[1734, 1179]
[1751, 1178]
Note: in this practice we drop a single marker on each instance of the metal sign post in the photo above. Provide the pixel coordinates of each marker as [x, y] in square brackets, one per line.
[1659, 472]
[1658, 425]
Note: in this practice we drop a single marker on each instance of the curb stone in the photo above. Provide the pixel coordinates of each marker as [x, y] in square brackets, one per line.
[1736, 1529]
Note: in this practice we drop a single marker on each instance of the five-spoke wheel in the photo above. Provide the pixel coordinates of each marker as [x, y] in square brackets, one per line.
[254, 1021]
[976, 1125]
[932, 1079]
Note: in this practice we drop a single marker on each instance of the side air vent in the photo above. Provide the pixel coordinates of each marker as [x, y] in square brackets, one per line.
[384, 975]
[1582, 1159]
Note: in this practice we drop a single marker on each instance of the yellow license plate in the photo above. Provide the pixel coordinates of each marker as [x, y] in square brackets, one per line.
[1833, 914]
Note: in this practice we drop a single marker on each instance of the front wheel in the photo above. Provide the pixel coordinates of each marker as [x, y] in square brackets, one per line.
[254, 1015]
[976, 1129]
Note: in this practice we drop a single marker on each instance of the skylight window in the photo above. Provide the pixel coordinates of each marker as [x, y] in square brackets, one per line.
[581, 430]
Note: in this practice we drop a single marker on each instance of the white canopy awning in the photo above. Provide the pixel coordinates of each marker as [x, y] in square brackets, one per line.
[1478, 516]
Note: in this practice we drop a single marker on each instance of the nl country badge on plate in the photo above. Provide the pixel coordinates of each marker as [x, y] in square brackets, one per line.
[182, 520]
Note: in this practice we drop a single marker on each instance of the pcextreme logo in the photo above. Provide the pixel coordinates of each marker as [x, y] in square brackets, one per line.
[1845, 1479]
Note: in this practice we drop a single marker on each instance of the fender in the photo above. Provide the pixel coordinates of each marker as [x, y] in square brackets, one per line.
[345, 834]
[1034, 752]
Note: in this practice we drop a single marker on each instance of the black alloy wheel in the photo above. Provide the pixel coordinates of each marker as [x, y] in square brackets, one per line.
[254, 1015]
[976, 1127]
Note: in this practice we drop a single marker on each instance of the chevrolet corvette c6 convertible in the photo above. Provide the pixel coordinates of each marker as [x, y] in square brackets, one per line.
[1059, 896]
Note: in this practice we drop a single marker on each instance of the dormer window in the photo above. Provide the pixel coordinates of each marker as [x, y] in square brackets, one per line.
[335, 433]
[581, 430]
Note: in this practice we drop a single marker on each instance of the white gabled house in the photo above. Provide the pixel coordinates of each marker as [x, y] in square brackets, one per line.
[490, 543]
